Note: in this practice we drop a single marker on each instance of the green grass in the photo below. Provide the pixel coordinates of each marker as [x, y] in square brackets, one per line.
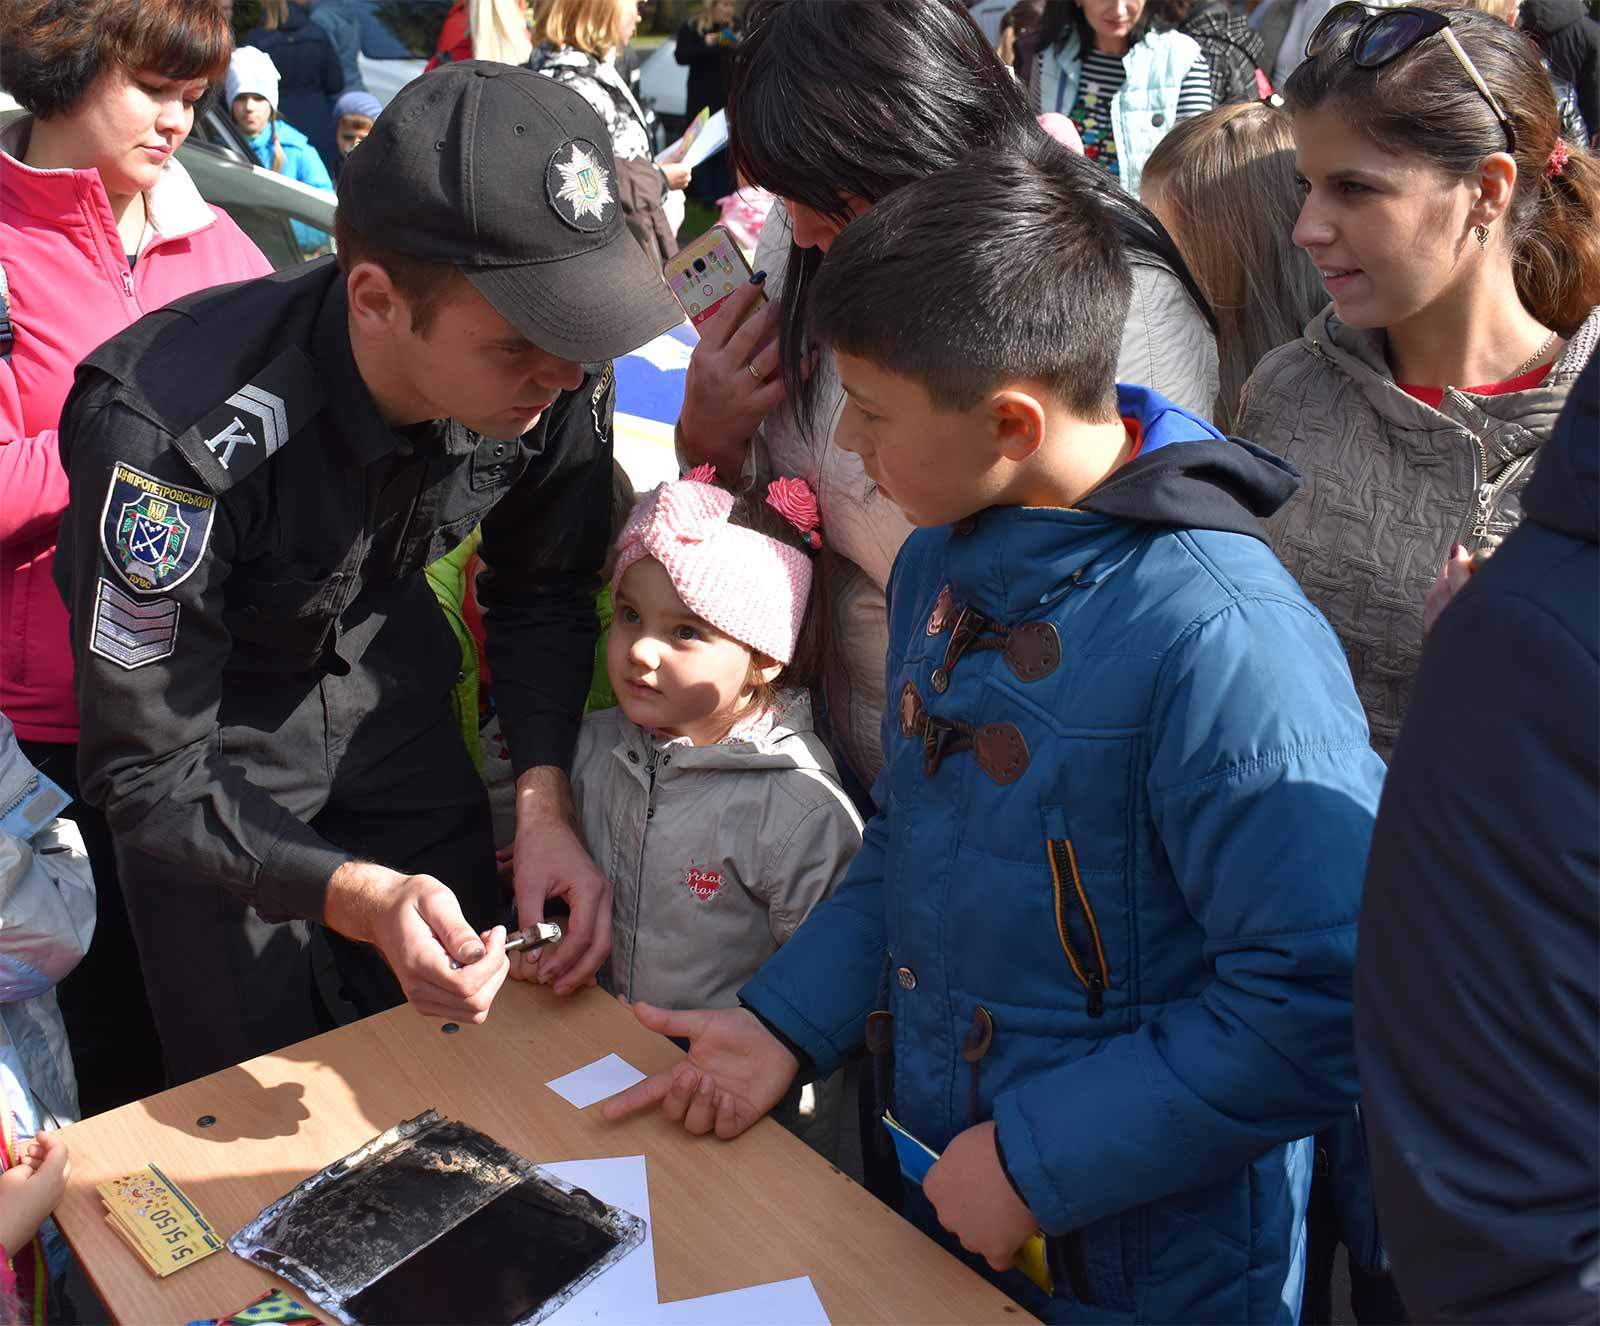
[697, 219]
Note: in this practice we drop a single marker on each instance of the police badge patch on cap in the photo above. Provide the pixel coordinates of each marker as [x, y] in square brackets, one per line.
[153, 533]
[579, 187]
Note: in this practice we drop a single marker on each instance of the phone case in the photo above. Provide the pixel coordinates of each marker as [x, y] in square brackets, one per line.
[706, 273]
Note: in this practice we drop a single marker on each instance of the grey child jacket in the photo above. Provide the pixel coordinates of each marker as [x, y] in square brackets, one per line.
[717, 853]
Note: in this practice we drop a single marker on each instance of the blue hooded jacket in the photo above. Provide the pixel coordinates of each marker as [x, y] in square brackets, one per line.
[1124, 815]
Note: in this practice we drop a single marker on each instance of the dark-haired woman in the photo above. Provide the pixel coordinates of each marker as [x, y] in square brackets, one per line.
[1459, 238]
[98, 224]
[1121, 81]
[833, 106]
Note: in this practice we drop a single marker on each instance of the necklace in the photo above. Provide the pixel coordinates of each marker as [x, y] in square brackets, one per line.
[1526, 366]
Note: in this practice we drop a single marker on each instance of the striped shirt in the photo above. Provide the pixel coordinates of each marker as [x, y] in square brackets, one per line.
[1103, 77]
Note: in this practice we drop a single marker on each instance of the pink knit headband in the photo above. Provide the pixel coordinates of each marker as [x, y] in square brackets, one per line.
[747, 585]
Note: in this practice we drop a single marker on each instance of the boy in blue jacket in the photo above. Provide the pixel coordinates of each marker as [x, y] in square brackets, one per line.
[1102, 930]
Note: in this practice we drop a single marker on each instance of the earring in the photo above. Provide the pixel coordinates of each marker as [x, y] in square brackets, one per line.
[1482, 232]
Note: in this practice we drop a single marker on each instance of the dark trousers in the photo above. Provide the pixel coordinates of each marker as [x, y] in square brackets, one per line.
[227, 985]
[1374, 1299]
[109, 1024]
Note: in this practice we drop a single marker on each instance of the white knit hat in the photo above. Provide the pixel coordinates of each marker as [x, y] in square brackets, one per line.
[252, 73]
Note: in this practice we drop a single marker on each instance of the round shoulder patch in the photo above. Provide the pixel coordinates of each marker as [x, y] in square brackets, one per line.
[579, 187]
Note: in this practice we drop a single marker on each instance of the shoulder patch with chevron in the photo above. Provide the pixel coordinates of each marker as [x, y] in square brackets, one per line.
[242, 433]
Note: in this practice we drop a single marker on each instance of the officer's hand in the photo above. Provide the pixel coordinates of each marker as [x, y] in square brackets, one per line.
[550, 862]
[416, 923]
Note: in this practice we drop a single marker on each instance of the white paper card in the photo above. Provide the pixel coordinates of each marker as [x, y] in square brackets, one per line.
[627, 1292]
[604, 1077]
[711, 140]
[785, 1303]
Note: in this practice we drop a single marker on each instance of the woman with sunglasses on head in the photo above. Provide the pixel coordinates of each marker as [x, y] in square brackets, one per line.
[832, 105]
[1458, 236]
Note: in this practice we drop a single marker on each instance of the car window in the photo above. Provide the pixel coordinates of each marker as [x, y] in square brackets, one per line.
[270, 232]
[288, 222]
[401, 29]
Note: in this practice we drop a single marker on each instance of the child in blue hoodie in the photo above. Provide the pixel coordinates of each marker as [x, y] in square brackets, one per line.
[252, 91]
[1100, 936]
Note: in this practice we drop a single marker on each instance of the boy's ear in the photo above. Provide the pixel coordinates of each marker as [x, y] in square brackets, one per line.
[1017, 422]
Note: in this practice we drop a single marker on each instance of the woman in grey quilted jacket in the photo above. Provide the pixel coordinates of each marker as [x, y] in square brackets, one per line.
[832, 106]
[1458, 238]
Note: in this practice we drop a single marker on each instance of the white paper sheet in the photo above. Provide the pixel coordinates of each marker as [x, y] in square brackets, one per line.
[604, 1077]
[785, 1303]
[625, 1294]
[710, 140]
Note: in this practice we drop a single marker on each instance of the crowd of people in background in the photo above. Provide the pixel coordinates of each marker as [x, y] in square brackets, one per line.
[1215, 383]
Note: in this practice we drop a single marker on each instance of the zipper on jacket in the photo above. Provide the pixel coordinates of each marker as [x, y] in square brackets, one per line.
[127, 284]
[1488, 494]
[638, 877]
[1088, 966]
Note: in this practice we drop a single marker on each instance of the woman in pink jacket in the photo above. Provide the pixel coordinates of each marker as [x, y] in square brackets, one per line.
[99, 224]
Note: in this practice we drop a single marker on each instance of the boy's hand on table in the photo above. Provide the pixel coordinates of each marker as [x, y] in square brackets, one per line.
[976, 1202]
[736, 1072]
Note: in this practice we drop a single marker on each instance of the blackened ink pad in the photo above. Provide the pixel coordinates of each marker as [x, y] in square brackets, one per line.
[434, 1221]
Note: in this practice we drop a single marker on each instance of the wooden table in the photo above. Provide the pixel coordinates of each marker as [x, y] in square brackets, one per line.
[725, 1215]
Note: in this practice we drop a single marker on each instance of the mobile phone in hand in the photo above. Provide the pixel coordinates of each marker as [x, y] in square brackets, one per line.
[706, 272]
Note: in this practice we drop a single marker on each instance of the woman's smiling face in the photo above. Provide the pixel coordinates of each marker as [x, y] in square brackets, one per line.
[1389, 233]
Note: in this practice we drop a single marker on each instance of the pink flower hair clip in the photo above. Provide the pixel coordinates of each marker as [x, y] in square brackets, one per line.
[1560, 154]
[795, 502]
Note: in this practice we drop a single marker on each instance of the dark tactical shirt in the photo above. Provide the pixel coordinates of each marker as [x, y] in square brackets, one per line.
[244, 531]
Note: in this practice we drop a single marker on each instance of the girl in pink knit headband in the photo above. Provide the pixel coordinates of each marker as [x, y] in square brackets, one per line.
[705, 796]
[711, 592]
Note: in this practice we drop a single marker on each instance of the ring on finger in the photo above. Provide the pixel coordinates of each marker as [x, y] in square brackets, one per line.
[755, 373]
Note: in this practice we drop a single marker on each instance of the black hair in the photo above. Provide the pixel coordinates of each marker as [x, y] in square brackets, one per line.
[1062, 17]
[1032, 284]
[833, 99]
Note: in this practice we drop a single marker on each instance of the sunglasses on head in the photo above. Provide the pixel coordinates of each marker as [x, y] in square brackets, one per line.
[1382, 35]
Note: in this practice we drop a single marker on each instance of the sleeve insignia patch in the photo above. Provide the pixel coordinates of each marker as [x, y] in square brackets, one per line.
[153, 533]
[598, 404]
[132, 632]
[235, 438]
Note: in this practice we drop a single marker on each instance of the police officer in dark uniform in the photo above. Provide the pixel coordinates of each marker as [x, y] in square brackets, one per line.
[259, 474]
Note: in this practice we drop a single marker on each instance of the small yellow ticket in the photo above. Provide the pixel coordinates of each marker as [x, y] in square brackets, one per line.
[163, 1226]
